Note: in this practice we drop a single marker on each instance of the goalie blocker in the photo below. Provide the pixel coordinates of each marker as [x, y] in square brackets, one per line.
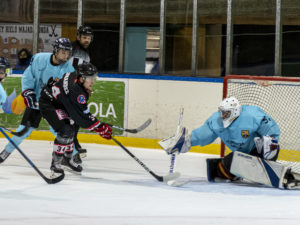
[253, 169]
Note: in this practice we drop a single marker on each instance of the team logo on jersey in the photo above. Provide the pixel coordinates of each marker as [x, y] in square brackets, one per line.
[81, 99]
[245, 133]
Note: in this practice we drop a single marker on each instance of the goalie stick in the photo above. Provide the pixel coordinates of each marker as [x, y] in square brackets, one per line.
[136, 130]
[173, 156]
[48, 180]
[157, 177]
[17, 133]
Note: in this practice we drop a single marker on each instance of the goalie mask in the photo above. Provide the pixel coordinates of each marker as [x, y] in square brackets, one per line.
[229, 109]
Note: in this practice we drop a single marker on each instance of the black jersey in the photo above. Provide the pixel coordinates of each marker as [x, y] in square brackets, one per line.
[69, 95]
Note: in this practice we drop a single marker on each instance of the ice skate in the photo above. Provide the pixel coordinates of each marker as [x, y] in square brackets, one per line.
[77, 158]
[82, 152]
[69, 164]
[56, 167]
[4, 155]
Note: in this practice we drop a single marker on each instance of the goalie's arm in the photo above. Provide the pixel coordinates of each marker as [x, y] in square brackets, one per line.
[181, 142]
[203, 135]
[268, 127]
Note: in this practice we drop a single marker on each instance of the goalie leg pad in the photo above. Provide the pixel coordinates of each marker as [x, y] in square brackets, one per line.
[258, 170]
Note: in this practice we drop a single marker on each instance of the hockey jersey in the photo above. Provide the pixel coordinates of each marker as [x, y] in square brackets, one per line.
[67, 94]
[3, 96]
[239, 136]
[79, 54]
[40, 70]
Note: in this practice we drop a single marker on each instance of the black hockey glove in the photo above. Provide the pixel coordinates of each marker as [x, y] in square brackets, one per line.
[30, 98]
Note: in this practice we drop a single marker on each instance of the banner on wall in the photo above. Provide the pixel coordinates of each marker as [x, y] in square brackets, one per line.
[108, 103]
[14, 37]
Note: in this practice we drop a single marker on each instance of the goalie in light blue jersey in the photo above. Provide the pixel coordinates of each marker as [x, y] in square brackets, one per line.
[246, 129]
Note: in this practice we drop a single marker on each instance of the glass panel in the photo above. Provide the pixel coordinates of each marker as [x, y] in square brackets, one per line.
[254, 37]
[58, 18]
[179, 17]
[142, 36]
[104, 18]
[212, 16]
[16, 17]
[290, 38]
[16, 11]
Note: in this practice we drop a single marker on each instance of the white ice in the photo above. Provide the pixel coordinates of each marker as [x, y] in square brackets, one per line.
[115, 190]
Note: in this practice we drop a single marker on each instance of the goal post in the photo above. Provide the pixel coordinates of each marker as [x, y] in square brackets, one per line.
[279, 97]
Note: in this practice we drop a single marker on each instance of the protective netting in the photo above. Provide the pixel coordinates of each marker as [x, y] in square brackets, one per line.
[278, 97]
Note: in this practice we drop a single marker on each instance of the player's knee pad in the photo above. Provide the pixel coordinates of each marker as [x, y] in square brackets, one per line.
[65, 135]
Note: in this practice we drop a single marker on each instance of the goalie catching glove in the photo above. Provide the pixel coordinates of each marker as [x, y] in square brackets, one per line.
[267, 146]
[180, 142]
[29, 96]
[104, 130]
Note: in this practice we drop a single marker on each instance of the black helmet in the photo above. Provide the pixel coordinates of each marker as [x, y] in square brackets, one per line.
[86, 70]
[85, 30]
[62, 43]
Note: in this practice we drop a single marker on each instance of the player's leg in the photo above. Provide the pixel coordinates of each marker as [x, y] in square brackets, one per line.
[66, 135]
[79, 152]
[259, 170]
[219, 168]
[63, 143]
[31, 115]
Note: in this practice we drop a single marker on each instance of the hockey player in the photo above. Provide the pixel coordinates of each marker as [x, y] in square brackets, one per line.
[4, 65]
[42, 67]
[80, 54]
[249, 132]
[63, 103]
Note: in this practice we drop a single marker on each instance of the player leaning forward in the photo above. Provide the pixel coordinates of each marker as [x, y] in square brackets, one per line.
[63, 103]
[42, 66]
[251, 134]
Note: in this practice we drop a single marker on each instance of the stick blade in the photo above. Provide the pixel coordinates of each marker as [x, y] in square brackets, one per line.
[171, 176]
[55, 180]
[177, 183]
[140, 128]
[145, 125]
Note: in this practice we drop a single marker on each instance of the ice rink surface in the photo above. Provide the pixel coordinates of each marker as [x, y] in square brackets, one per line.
[115, 190]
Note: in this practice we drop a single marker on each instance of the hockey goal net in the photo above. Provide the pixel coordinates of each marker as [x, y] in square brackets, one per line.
[280, 98]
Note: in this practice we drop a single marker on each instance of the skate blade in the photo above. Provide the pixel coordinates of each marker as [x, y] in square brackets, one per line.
[68, 169]
[82, 155]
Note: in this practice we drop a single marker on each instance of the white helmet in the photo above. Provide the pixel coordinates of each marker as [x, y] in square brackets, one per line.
[230, 109]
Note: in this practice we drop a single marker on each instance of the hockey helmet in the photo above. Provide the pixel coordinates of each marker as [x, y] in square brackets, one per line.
[62, 43]
[87, 70]
[229, 109]
[85, 30]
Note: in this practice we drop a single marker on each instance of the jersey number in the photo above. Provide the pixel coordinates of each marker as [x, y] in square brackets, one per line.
[55, 91]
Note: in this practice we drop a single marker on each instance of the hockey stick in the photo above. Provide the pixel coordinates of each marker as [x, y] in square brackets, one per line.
[19, 133]
[157, 177]
[173, 156]
[139, 129]
[48, 180]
